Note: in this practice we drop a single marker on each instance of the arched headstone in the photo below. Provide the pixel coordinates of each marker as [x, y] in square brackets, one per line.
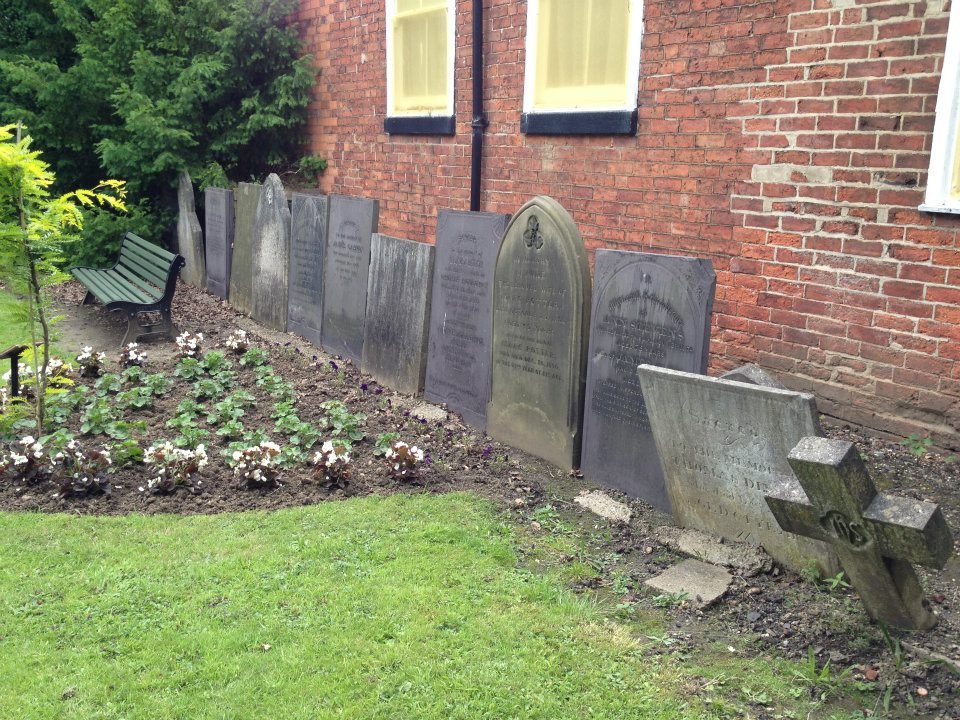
[541, 315]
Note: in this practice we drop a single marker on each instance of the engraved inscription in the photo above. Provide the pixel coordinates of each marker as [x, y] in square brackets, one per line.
[531, 315]
[464, 284]
[345, 252]
[307, 267]
[629, 334]
[842, 528]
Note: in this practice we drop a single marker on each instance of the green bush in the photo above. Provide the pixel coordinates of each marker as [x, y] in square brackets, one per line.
[141, 90]
[99, 241]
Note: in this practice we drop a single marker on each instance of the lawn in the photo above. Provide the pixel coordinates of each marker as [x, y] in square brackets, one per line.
[399, 607]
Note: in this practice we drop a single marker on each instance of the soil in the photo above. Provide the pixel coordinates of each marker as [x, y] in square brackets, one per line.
[769, 614]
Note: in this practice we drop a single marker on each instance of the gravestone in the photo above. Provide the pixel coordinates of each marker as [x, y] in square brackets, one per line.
[754, 375]
[308, 240]
[219, 239]
[346, 263]
[723, 445]
[271, 255]
[876, 536]
[541, 315]
[398, 305]
[190, 234]
[246, 200]
[647, 309]
[458, 352]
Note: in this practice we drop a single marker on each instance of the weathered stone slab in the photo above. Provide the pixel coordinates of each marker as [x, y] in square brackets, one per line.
[271, 255]
[876, 536]
[218, 227]
[599, 503]
[723, 445]
[458, 353]
[398, 305]
[647, 309]
[190, 234]
[308, 242]
[748, 559]
[246, 200]
[754, 375]
[346, 264]
[702, 583]
[541, 315]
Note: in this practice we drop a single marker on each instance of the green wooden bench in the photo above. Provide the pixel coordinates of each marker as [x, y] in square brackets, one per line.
[142, 280]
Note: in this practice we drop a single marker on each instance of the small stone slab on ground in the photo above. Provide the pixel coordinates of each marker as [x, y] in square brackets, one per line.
[605, 506]
[703, 583]
[429, 412]
[748, 559]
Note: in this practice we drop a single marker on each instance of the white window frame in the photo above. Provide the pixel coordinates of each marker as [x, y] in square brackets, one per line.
[451, 63]
[946, 130]
[634, 46]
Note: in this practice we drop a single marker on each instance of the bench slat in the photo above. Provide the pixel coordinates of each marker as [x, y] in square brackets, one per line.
[110, 287]
[154, 276]
[136, 258]
[165, 257]
[148, 288]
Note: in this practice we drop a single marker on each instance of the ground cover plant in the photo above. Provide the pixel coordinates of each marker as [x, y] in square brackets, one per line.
[749, 656]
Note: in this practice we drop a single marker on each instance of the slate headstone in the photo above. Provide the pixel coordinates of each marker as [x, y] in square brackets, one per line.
[398, 305]
[218, 235]
[458, 353]
[308, 241]
[346, 264]
[754, 375]
[723, 445]
[876, 536]
[246, 200]
[541, 316]
[647, 309]
[271, 255]
[190, 234]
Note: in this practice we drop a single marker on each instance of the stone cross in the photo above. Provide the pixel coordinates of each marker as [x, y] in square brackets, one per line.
[875, 536]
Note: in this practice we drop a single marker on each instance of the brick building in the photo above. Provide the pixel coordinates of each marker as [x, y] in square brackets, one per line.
[789, 141]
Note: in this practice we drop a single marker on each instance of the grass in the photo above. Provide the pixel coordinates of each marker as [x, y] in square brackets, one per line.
[14, 328]
[397, 607]
[405, 607]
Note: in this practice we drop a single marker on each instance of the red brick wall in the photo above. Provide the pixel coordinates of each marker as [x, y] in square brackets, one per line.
[786, 140]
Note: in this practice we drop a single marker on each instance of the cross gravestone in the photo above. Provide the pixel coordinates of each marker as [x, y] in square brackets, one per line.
[458, 352]
[346, 265]
[876, 536]
[647, 309]
[723, 445]
[246, 201]
[541, 314]
[308, 239]
[271, 255]
[398, 304]
[218, 228]
[190, 234]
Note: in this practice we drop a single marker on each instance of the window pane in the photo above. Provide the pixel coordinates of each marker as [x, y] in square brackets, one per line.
[420, 61]
[582, 52]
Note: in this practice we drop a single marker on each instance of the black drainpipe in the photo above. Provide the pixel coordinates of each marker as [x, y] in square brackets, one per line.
[479, 119]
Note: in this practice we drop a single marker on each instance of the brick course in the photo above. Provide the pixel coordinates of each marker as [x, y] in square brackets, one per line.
[786, 140]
